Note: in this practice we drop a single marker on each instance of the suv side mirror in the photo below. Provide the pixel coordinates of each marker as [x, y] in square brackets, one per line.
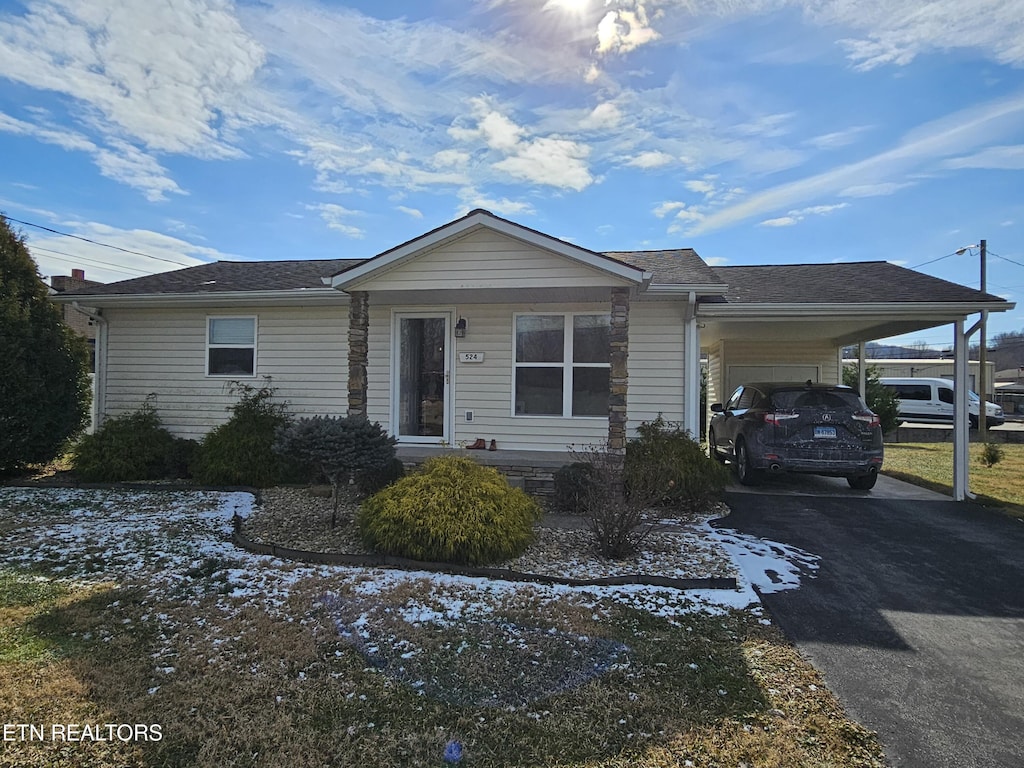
[717, 408]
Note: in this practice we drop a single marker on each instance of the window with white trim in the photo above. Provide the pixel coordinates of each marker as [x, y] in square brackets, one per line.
[231, 346]
[562, 364]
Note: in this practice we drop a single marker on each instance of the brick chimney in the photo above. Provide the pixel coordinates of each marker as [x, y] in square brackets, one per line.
[61, 283]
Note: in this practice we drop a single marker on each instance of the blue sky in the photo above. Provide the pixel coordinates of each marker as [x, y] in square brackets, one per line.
[763, 131]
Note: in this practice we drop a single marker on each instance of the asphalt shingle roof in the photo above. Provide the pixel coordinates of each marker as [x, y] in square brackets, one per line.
[841, 283]
[681, 266]
[871, 282]
[228, 276]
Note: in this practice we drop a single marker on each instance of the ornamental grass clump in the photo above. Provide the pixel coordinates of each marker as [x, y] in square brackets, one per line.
[452, 510]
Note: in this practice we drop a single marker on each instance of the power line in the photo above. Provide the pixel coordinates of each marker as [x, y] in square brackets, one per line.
[73, 259]
[1019, 264]
[926, 263]
[95, 242]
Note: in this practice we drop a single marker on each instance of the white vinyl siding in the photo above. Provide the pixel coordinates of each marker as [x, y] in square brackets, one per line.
[656, 363]
[303, 350]
[487, 259]
[378, 365]
[777, 360]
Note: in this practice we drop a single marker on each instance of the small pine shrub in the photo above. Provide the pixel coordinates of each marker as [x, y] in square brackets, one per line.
[337, 446]
[239, 452]
[991, 454]
[133, 446]
[573, 486]
[665, 458]
[371, 481]
[452, 510]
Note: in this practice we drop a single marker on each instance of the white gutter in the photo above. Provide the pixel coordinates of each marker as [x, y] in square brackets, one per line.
[915, 308]
[691, 367]
[684, 289]
[299, 297]
[99, 379]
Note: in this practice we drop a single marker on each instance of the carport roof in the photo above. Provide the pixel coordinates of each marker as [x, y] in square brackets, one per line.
[865, 282]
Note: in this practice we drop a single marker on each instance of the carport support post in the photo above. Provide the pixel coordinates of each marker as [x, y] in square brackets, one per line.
[961, 443]
[862, 371]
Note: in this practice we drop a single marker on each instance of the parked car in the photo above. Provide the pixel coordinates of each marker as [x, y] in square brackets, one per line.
[818, 429]
[931, 401]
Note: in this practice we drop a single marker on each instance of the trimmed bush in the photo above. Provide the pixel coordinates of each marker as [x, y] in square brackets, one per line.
[238, 452]
[573, 486]
[131, 447]
[452, 510]
[667, 464]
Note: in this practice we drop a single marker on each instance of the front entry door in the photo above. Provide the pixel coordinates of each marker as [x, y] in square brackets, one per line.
[420, 375]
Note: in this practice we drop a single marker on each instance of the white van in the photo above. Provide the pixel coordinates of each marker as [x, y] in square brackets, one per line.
[931, 401]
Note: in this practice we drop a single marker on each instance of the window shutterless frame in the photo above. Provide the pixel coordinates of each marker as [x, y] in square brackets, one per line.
[231, 346]
[565, 366]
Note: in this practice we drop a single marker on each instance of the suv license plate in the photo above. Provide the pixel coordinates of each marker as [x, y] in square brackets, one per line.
[826, 432]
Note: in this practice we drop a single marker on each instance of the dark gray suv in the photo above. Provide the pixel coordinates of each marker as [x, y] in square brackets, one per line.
[819, 429]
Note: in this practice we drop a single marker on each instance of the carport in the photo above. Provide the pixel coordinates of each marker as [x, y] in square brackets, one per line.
[790, 322]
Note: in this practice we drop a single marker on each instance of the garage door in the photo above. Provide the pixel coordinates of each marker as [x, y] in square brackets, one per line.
[740, 374]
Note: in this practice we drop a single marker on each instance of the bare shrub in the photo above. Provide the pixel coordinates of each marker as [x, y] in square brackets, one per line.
[617, 519]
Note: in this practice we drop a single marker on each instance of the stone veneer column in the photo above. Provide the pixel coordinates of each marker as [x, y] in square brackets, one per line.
[358, 350]
[619, 373]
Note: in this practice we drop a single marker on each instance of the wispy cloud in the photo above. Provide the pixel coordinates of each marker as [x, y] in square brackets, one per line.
[795, 217]
[168, 96]
[927, 144]
[837, 139]
[57, 255]
[336, 217]
[120, 161]
[875, 190]
[1008, 158]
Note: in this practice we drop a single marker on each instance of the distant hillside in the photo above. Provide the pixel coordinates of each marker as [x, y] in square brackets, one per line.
[876, 351]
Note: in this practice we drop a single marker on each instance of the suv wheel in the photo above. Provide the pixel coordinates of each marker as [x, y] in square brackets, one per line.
[863, 482]
[747, 474]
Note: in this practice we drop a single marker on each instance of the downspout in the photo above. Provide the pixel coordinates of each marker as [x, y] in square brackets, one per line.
[691, 368]
[99, 380]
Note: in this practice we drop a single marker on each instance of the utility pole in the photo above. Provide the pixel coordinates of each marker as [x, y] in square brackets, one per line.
[983, 356]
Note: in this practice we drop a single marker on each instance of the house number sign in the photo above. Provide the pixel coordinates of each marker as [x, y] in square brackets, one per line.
[471, 357]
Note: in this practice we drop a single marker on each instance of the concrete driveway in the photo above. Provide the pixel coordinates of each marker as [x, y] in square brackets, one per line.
[915, 616]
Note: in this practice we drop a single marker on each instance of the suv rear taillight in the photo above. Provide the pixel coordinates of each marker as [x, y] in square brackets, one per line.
[777, 418]
[868, 418]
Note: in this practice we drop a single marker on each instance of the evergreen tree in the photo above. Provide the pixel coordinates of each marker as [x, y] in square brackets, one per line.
[880, 399]
[44, 387]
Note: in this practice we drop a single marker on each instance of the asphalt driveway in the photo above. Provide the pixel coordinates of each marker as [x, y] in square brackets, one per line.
[915, 617]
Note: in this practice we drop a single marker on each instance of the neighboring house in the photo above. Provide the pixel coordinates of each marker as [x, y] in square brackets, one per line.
[484, 328]
[75, 320]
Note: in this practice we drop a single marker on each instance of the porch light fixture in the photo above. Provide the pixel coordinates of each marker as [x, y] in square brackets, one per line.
[460, 328]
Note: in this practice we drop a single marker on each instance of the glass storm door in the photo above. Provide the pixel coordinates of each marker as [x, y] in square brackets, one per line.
[420, 373]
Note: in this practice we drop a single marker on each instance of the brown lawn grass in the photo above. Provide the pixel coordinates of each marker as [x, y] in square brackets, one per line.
[931, 465]
[248, 689]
